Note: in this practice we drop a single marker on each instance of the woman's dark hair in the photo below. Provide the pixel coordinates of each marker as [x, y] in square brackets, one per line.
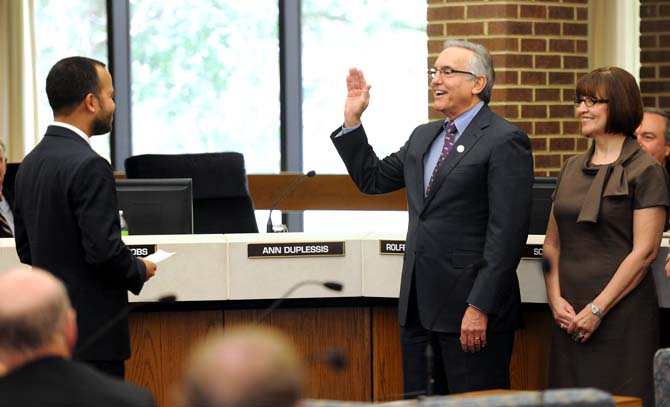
[69, 81]
[625, 109]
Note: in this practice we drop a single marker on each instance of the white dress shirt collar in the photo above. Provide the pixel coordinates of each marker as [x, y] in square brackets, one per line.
[74, 129]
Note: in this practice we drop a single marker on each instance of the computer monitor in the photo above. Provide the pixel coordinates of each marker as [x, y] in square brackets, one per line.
[156, 206]
[543, 187]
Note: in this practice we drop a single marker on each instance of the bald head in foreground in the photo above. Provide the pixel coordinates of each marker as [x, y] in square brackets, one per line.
[38, 330]
[243, 367]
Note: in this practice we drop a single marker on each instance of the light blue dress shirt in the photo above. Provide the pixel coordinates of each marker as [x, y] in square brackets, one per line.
[462, 123]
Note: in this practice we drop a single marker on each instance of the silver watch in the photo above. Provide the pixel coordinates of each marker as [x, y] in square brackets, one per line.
[596, 311]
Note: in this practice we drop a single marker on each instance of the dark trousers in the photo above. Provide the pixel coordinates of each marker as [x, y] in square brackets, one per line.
[453, 370]
[115, 368]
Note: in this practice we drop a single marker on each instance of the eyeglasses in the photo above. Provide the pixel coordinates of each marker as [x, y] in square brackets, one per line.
[446, 71]
[589, 102]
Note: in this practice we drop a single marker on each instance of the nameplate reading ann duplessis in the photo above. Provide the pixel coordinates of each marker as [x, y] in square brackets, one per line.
[301, 249]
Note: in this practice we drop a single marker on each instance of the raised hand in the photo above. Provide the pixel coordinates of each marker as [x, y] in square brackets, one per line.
[358, 97]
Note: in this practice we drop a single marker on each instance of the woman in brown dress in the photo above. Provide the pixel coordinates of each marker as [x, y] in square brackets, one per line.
[610, 208]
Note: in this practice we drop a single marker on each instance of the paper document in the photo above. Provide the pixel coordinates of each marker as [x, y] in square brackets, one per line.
[159, 256]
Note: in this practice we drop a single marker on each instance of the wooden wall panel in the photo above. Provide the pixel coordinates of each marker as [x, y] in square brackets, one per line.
[327, 192]
[386, 358]
[316, 331]
[528, 368]
[368, 336]
[530, 358]
[160, 342]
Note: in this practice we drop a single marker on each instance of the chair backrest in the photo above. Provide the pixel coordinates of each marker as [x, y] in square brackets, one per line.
[221, 200]
[662, 377]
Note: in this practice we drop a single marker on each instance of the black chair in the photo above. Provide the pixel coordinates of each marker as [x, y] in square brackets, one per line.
[221, 200]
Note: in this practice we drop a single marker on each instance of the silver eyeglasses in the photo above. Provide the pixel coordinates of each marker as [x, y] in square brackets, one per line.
[446, 71]
[589, 101]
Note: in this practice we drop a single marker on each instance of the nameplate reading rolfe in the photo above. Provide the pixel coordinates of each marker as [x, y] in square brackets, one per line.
[301, 249]
[391, 247]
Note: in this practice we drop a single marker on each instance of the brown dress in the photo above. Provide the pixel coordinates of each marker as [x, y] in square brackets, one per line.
[593, 207]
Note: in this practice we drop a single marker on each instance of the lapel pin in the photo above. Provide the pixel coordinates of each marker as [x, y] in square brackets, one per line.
[460, 148]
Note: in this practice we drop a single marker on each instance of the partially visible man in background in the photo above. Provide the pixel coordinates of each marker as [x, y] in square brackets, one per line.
[38, 330]
[653, 135]
[243, 367]
[6, 199]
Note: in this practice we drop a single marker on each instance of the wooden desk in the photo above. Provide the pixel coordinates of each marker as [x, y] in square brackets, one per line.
[620, 401]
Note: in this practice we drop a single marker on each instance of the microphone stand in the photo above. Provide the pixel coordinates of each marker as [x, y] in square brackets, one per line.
[269, 227]
[331, 285]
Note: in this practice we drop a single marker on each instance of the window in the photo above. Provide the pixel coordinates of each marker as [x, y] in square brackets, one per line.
[387, 40]
[205, 78]
[67, 29]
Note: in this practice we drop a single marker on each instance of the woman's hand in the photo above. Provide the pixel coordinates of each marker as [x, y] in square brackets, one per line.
[563, 312]
[584, 325]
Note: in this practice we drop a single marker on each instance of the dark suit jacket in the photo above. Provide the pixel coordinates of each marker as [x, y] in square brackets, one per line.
[67, 222]
[478, 208]
[53, 381]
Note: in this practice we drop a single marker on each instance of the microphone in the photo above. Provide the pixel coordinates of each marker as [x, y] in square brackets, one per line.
[430, 354]
[331, 285]
[103, 330]
[310, 174]
[332, 357]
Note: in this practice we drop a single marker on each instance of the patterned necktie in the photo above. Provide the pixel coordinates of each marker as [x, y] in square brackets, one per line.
[449, 137]
[5, 226]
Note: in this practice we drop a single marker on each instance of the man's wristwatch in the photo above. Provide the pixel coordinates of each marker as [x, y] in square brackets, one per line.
[596, 311]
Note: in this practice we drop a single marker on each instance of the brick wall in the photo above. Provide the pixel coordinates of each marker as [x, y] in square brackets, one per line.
[539, 50]
[655, 53]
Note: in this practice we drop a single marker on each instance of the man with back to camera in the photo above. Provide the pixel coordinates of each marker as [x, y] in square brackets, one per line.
[468, 181]
[6, 198]
[66, 212]
[653, 134]
[244, 366]
[38, 331]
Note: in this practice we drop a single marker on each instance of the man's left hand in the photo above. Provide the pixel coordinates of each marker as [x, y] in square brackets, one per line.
[473, 330]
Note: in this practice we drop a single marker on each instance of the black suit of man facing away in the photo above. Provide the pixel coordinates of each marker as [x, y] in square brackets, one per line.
[468, 181]
[66, 212]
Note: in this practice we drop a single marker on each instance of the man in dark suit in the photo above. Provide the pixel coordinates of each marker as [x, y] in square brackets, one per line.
[66, 212]
[468, 181]
[38, 330]
[6, 214]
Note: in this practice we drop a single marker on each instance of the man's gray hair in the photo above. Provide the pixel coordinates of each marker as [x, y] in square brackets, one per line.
[664, 115]
[480, 65]
[31, 329]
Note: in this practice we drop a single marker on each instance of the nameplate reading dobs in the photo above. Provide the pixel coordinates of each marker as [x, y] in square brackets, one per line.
[391, 247]
[142, 250]
[302, 249]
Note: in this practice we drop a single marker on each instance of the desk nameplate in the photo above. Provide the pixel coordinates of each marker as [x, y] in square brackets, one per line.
[532, 251]
[298, 249]
[392, 247]
[142, 250]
